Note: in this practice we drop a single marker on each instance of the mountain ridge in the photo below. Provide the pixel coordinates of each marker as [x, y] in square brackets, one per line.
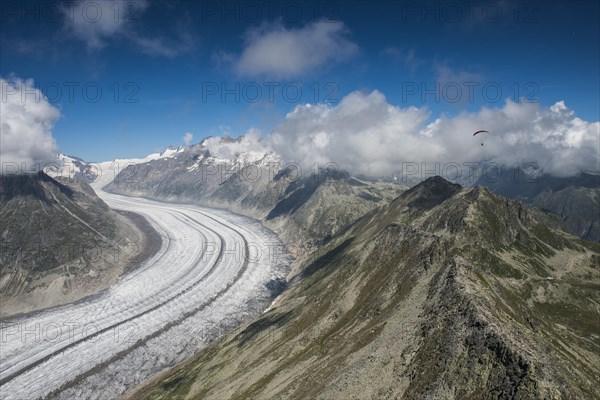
[470, 312]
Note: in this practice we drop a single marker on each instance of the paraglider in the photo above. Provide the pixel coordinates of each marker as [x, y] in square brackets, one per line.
[478, 132]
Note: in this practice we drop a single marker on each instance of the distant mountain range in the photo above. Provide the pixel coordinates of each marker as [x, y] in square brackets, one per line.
[305, 207]
[575, 199]
[249, 182]
[99, 174]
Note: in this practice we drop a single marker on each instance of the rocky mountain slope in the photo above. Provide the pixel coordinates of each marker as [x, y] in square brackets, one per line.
[59, 242]
[575, 199]
[305, 207]
[448, 293]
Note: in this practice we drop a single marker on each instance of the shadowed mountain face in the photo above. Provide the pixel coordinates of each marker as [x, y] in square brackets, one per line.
[31, 186]
[579, 208]
[428, 196]
[519, 184]
[575, 199]
[447, 292]
[58, 242]
[38, 211]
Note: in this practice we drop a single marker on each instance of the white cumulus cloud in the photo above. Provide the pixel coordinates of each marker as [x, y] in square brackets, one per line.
[187, 138]
[26, 122]
[280, 52]
[364, 134]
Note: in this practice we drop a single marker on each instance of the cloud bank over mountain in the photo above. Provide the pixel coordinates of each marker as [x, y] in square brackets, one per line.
[248, 148]
[364, 134]
[26, 122]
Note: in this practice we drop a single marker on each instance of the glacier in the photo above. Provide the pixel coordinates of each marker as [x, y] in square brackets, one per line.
[210, 274]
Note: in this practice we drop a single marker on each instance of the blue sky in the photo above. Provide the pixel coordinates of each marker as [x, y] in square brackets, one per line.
[167, 68]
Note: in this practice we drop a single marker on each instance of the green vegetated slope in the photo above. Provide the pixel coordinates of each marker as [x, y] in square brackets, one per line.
[448, 292]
